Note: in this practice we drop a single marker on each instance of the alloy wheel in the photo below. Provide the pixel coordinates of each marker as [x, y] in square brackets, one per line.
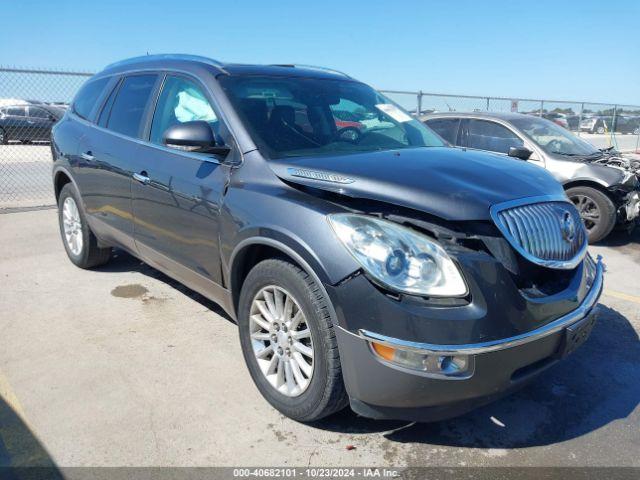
[588, 209]
[72, 225]
[281, 340]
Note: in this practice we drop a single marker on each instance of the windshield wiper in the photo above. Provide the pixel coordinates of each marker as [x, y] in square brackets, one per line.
[566, 154]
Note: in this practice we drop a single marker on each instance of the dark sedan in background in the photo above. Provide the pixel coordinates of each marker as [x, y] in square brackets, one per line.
[28, 123]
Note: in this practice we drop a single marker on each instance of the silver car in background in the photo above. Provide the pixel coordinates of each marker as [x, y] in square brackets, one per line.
[602, 184]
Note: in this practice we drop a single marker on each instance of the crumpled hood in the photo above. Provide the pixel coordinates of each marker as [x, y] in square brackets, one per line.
[450, 183]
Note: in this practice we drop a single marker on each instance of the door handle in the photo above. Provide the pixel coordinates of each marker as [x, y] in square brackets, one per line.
[87, 156]
[142, 178]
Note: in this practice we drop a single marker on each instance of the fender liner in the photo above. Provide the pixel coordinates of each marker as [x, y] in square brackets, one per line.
[285, 249]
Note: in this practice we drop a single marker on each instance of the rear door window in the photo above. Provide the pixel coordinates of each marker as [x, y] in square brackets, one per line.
[447, 128]
[129, 106]
[491, 136]
[88, 96]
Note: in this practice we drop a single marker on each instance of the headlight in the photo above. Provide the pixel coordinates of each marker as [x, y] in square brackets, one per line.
[398, 257]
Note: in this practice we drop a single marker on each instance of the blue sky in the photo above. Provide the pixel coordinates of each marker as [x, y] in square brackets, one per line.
[575, 50]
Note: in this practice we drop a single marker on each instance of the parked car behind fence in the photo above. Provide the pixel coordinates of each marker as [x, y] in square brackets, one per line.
[619, 124]
[601, 183]
[28, 123]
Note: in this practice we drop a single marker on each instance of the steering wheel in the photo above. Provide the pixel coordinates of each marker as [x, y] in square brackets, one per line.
[349, 134]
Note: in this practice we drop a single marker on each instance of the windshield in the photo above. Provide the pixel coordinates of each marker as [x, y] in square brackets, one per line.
[553, 138]
[292, 117]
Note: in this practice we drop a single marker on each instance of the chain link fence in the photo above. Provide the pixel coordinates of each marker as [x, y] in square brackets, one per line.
[31, 101]
[604, 125]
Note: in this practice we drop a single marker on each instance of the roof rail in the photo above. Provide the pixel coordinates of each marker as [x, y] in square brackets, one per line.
[167, 56]
[311, 67]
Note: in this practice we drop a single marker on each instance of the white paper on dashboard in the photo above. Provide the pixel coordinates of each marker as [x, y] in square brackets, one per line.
[394, 112]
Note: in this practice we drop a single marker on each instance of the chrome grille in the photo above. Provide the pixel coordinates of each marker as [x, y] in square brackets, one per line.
[548, 233]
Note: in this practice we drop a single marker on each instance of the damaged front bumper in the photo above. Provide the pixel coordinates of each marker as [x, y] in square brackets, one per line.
[381, 385]
[630, 210]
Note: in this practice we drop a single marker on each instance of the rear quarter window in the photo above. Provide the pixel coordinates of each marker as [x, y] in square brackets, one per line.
[88, 96]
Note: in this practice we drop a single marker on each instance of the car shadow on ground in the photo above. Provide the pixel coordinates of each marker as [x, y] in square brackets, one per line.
[596, 385]
[621, 238]
[21, 453]
[123, 262]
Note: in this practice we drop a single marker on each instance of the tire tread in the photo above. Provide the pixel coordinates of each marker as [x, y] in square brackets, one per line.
[94, 256]
[334, 396]
[606, 206]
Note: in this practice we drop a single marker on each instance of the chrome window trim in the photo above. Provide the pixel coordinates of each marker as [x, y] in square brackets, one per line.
[527, 142]
[197, 156]
[167, 71]
[585, 308]
[558, 264]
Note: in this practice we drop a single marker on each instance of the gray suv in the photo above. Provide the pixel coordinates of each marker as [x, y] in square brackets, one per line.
[364, 261]
[601, 183]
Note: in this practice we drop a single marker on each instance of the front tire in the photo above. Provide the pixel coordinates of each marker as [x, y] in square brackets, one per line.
[288, 341]
[597, 211]
[79, 241]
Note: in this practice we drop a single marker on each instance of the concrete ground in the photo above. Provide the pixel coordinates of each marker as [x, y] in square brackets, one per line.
[25, 176]
[622, 142]
[121, 366]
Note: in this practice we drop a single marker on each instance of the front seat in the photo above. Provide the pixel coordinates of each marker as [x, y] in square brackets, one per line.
[284, 132]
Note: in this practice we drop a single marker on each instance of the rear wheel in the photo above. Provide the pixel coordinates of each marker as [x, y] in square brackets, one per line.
[597, 211]
[78, 239]
[600, 130]
[3, 137]
[288, 342]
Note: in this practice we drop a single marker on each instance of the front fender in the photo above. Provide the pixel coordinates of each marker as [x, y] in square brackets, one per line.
[288, 243]
[316, 271]
[601, 174]
[287, 220]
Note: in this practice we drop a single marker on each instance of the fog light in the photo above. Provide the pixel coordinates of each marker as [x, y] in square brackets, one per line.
[452, 365]
[430, 363]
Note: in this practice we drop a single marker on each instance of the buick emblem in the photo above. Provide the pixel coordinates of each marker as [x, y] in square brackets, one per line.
[568, 227]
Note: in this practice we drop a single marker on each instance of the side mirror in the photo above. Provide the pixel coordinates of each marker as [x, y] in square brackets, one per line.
[523, 153]
[195, 136]
[53, 118]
